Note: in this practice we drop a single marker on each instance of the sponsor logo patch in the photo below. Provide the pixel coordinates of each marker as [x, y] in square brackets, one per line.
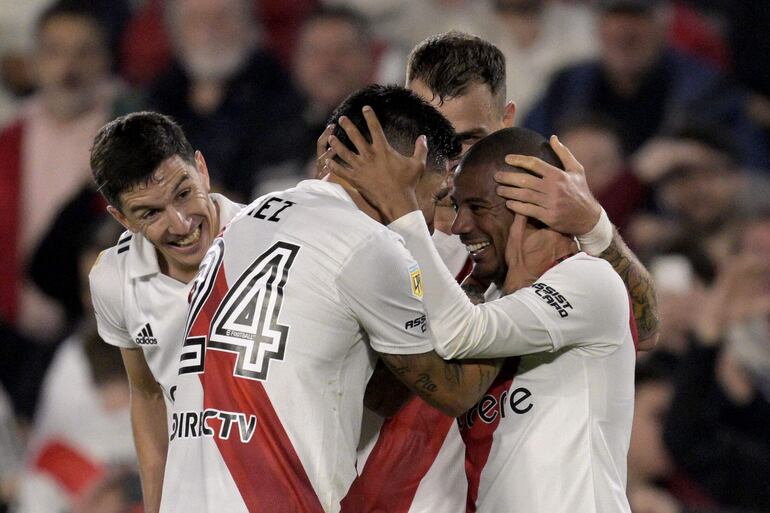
[419, 322]
[553, 298]
[145, 337]
[415, 277]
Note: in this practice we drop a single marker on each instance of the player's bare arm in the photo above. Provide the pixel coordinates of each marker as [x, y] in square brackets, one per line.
[640, 287]
[385, 394]
[148, 420]
[563, 201]
[450, 386]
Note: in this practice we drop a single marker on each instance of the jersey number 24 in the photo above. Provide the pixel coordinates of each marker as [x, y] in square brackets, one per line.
[245, 320]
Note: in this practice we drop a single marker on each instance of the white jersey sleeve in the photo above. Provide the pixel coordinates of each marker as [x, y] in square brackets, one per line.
[107, 297]
[381, 283]
[579, 302]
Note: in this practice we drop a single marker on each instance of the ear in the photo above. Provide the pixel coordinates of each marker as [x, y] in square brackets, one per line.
[121, 218]
[509, 113]
[200, 163]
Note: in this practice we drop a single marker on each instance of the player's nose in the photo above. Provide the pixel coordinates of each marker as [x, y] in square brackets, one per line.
[462, 223]
[178, 222]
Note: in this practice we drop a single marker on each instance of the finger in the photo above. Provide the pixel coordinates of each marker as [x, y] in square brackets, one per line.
[527, 209]
[355, 136]
[375, 129]
[344, 172]
[521, 180]
[522, 195]
[321, 144]
[349, 157]
[571, 164]
[533, 164]
[327, 154]
[421, 150]
[320, 163]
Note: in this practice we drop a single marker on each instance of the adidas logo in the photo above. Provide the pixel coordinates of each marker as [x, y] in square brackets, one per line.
[145, 337]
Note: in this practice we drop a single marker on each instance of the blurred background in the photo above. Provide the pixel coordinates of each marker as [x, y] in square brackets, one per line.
[667, 105]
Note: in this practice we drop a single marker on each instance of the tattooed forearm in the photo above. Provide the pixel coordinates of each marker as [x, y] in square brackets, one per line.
[451, 386]
[640, 287]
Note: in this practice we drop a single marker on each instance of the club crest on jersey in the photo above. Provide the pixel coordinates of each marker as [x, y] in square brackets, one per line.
[415, 277]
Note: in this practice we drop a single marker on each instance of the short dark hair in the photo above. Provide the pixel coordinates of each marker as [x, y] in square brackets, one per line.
[490, 152]
[127, 151]
[343, 13]
[450, 63]
[492, 149]
[404, 116]
[78, 8]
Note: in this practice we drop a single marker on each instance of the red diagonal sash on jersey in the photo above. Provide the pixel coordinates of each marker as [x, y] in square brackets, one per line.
[478, 438]
[405, 450]
[266, 469]
[407, 446]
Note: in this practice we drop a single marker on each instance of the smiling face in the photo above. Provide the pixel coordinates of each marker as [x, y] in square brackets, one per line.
[175, 213]
[482, 222]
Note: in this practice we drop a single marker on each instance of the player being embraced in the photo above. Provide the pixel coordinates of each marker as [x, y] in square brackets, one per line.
[416, 463]
[552, 433]
[292, 305]
[157, 187]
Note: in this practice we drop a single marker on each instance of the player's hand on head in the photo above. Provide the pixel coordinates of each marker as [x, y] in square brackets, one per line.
[518, 276]
[383, 176]
[323, 152]
[560, 199]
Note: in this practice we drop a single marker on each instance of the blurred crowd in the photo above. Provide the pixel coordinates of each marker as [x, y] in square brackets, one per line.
[666, 104]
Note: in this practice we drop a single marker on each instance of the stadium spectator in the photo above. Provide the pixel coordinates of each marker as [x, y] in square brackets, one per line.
[232, 98]
[538, 37]
[645, 85]
[716, 428]
[594, 141]
[335, 56]
[81, 428]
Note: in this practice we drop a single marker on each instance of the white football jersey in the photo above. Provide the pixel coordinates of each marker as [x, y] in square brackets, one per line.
[551, 435]
[284, 314]
[136, 305]
[413, 462]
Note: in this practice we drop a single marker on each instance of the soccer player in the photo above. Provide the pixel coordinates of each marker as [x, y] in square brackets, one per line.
[463, 76]
[157, 187]
[291, 307]
[552, 433]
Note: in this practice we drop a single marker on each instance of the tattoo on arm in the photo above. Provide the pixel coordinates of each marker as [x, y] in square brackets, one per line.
[452, 386]
[639, 284]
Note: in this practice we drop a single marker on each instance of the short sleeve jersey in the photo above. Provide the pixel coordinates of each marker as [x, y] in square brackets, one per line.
[137, 306]
[289, 305]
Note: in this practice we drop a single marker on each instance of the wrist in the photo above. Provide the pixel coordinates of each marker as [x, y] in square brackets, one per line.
[598, 238]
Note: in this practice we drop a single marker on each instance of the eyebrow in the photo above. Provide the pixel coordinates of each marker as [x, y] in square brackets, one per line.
[470, 134]
[138, 208]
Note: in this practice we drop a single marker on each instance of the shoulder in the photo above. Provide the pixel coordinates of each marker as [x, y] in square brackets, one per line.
[110, 267]
[592, 276]
[590, 285]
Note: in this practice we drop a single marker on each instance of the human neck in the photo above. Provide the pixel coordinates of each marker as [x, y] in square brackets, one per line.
[359, 200]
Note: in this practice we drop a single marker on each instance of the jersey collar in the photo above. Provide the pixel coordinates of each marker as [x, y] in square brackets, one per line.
[324, 187]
